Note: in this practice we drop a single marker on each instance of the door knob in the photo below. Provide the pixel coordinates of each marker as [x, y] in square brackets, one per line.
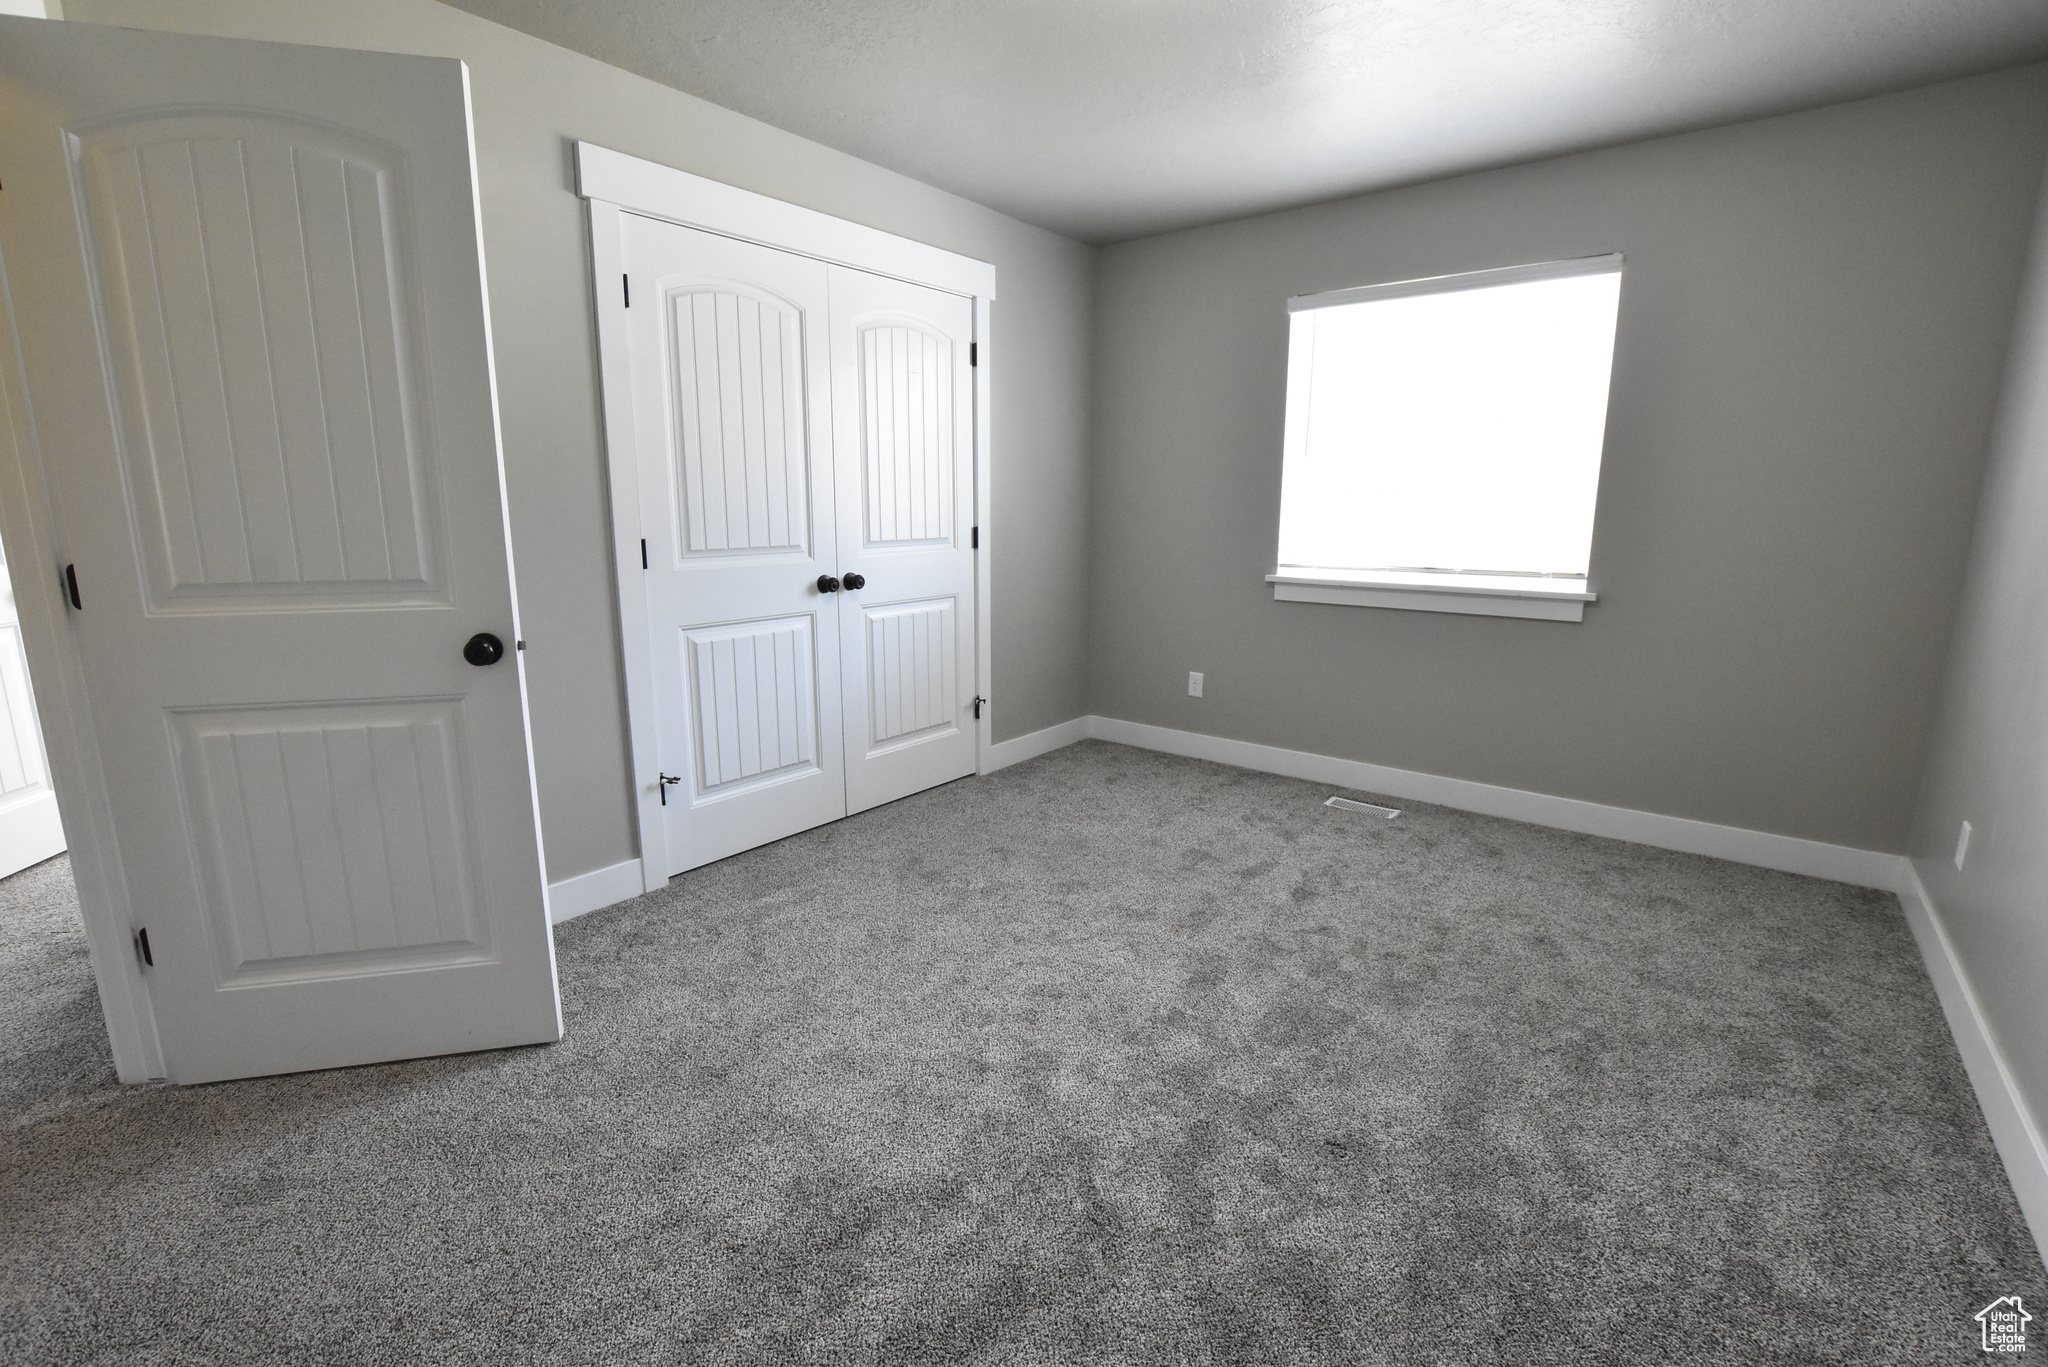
[827, 584]
[856, 581]
[483, 649]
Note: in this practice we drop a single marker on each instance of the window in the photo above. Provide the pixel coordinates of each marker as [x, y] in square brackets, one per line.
[1443, 440]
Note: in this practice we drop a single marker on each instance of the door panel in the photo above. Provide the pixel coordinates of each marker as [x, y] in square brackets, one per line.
[257, 359]
[731, 396]
[902, 400]
[912, 680]
[333, 837]
[751, 697]
[738, 372]
[259, 297]
[907, 434]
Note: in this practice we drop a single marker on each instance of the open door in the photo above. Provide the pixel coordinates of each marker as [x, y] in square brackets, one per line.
[246, 288]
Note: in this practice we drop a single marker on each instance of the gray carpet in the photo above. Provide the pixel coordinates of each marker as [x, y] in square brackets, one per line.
[1108, 1058]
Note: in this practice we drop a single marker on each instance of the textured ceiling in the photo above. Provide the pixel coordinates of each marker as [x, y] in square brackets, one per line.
[1109, 119]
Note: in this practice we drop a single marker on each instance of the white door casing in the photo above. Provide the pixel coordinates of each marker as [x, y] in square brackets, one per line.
[731, 401]
[903, 409]
[619, 188]
[246, 287]
[30, 828]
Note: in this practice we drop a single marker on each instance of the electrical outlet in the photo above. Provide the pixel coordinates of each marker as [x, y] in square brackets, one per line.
[1962, 846]
[1194, 684]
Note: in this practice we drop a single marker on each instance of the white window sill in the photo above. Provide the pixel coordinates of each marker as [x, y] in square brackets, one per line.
[1484, 595]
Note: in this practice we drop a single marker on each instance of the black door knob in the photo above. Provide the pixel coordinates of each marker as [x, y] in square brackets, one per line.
[827, 584]
[856, 581]
[483, 649]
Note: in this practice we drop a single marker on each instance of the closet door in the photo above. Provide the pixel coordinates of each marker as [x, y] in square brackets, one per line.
[904, 422]
[731, 395]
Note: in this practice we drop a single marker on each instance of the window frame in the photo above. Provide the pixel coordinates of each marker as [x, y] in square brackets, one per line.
[1561, 598]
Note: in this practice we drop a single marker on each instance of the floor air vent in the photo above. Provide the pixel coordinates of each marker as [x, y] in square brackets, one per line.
[1348, 805]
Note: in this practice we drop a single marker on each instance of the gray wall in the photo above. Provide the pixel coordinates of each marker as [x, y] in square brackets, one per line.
[531, 99]
[1813, 323]
[1989, 761]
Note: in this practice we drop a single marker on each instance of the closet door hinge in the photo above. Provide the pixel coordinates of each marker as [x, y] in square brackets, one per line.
[974, 539]
[142, 947]
[974, 353]
[626, 287]
[643, 552]
[71, 588]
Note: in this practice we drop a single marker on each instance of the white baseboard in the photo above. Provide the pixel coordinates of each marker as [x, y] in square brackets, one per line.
[30, 831]
[572, 897]
[1016, 750]
[1865, 868]
[2012, 1125]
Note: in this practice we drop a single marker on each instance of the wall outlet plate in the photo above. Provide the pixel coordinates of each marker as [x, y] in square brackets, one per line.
[1194, 684]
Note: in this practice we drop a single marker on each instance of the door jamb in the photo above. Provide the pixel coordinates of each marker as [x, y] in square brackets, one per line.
[984, 635]
[613, 184]
[58, 676]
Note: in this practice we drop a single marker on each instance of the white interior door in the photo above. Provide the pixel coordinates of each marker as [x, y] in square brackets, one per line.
[902, 401]
[30, 829]
[247, 281]
[731, 398]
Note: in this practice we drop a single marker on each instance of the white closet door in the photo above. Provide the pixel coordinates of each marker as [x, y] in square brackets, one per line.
[248, 283]
[30, 829]
[731, 396]
[902, 402]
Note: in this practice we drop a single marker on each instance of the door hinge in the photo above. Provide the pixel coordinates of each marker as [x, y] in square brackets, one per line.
[71, 587]
[977, 707]
[142, 947]
[974, 539]
[643, 552]
[626, 285]
[666, 779]
[974, 353]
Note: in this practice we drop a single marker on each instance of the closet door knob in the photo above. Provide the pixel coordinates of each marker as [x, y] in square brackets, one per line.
[856, 581]
[827, 584]
[483, 649]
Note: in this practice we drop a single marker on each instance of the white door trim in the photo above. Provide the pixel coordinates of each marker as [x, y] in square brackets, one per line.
[612, 184]
[984, 637]
[647, 187]
[615, 375]
[30, 527]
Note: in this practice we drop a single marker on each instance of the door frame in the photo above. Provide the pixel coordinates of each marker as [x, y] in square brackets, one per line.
[29, 523]
[613, 184]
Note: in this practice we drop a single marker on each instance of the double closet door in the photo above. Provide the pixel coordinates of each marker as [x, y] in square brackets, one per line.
[804, 441]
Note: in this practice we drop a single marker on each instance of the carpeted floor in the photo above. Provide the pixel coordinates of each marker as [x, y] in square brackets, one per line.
[1108, 1058]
